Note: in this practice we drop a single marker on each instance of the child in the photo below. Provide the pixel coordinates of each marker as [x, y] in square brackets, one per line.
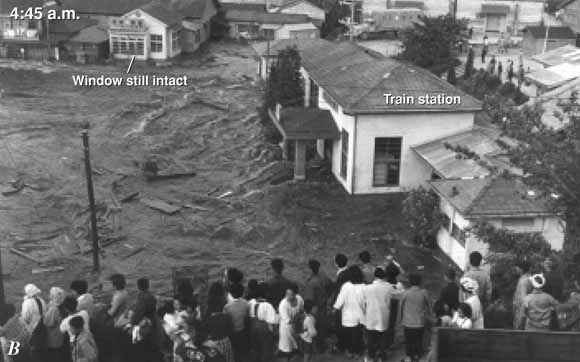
[83, 346]
[462, 318]
[309, 332]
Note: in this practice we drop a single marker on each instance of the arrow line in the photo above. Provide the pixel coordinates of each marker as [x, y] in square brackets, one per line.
[130, 65]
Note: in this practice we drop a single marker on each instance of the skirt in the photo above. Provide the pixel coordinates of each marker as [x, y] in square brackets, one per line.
[224, 346]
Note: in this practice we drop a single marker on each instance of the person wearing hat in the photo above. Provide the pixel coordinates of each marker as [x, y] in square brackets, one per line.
[470, 288]
[538, 306]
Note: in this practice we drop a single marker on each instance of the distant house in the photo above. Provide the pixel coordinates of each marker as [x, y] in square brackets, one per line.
[558, 36]
[304, 7]
[256, 25]
[504, 203]
[570, 16]
[159, 31]
[22, 37]
[90, 45]
[374, 151]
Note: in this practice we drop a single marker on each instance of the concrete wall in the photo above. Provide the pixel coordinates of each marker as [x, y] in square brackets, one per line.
[415, 129]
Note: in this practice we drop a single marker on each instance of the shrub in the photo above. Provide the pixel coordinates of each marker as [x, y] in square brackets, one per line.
[423, 216]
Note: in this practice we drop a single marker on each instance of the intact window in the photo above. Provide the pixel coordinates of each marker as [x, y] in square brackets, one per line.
[458, 234]
[156, 43]
[387, 165]
[344, 153]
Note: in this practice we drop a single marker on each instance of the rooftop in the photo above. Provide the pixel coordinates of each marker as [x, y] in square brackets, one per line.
[162, 13]
[6, 6]
[406, 4]
[495, 9]
[299, 123]
[554, 32]
[277, 45]
[482, 141]
[186, 8]
[479, 197]
[565, 54]
[94, 34]
[250, 16]
[555, 76]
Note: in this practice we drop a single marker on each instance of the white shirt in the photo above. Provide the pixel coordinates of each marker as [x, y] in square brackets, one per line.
[309, 329]
[377, 305]
[65, 326]
[350, 301]
[462, 323]
[30, 313]
[476, 311]
[266, 312]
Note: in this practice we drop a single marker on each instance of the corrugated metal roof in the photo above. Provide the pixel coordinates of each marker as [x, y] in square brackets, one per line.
[491, 197]
[554, 32]
[565, 54]
[162, 13]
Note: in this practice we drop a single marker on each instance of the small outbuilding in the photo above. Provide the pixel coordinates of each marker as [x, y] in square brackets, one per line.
[90, 45]
[558, 36]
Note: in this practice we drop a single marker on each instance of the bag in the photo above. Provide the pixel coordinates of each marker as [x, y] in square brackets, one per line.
[39, 335]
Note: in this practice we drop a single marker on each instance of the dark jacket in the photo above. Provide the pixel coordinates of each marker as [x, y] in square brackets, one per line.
[145, 306]
[450, 296]
[278, 286]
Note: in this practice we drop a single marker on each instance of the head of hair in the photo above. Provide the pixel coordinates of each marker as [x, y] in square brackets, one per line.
[314, 265]
[57, 295]
[216, 298]
[235, 276]
[365, 257]
[380, 273]
[451, 274]
[465, 309]
[190, 303]
[253, 284]
[415, 279]
[308, 305]
[277, 265]
[341, 260]
[118, 281]
[216, 289]
[475, 258]
[165, 308]
[262, 290]
[293, 287]
[184, 287]
[237, 290]
[79, 286]
[525, 266]
[143, 284]
[70, 303]
[77, 322]
[392, 271]
[356, 275]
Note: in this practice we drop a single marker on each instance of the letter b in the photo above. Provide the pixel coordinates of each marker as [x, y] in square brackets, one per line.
[14, 348]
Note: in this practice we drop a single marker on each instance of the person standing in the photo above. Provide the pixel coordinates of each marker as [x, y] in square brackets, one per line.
[219, 324]
[278, 284]
[83, 346]
[538, 306]
[80, 290]
[499, 69]
[521, 75]
[341, 264]
[54, 315]
[491, 65]
[350, 304]
[238, 309]
[14, 330]
[33, 308]
[554, 280]
[496, 315]
[450, 293]
[144, 349]
[290, 308]
[414, 310]
[377, 303]
[308, 333]
[263, 321]
[470, 288]
[523, 288]
[318, 289]
[480, 276]
[367, 268]
[392, 271]
[510, 72]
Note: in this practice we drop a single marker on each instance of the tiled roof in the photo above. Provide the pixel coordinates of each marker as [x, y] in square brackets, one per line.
[61, 30]
[94, 34]
[162, 13]
[248, 16]
[299, 123]
[490, 197]
[244, 6]
[564, 54]
[482, 141]
[358, 79]
[291, 3]
[554, 32]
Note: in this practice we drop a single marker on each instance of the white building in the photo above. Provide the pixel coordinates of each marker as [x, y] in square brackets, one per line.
[503, 203]
[300, 7]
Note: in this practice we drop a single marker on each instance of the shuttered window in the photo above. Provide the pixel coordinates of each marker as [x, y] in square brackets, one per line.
[344, 153]
[387, 166]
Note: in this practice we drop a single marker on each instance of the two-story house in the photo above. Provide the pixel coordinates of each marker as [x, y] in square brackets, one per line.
[21, 28]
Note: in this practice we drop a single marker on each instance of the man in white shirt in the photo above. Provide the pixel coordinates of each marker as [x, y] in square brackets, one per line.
[350, 304]
[377, 301]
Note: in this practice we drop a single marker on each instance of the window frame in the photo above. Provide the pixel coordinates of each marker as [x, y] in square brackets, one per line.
[387, 162]
[156, 43]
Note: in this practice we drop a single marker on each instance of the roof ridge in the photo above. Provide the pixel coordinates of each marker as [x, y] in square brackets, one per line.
[373, 87]
[479, 195]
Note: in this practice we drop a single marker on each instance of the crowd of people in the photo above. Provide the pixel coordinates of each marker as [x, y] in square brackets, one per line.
[356, 313]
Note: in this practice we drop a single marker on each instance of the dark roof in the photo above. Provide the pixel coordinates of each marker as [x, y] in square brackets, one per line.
[94, 34]
[64, 30]
[358, 79]
[554, 32]
[277, 45]
[265, 18]
[406, 4]
[564, 4]
[299, 123]
[495, 9]
[187, 8]
[162, 13]
[248, 7]
[291, 3]
[490, 197]
[7, 5]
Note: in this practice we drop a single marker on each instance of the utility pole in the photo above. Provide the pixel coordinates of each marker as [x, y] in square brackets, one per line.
[352, 20]
[89, 174]
[2, 296]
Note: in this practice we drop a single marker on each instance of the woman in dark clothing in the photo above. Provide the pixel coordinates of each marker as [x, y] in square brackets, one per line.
[392, 271]
[450, 293]
[219, 324]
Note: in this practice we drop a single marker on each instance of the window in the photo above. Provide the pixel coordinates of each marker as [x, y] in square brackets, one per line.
[330, 101]
[458, 234]
[446, 222]
[518, 222]
[131, 45]
[133, 22]
[175, 40]
[156, 43]
[269, 34]
[387, 166]
[313, 94]
[344, 153]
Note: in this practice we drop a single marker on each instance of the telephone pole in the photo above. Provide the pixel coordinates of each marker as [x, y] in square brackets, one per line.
[89, 174]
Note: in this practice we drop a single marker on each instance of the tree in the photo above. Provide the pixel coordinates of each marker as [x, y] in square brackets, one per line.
[219, 26]
[469, 64]
[423, 216]
[332, 27]
[286, 80]
[429, 43]
[451, 77]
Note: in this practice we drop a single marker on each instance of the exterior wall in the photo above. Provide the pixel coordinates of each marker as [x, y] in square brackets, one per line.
[453, 248]
[415, 129]
[291, 33]
[305, 8]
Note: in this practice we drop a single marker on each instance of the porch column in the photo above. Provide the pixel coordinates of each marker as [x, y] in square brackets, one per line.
[284, 145]
[306, 92]
[300, 161]
[320, 148]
